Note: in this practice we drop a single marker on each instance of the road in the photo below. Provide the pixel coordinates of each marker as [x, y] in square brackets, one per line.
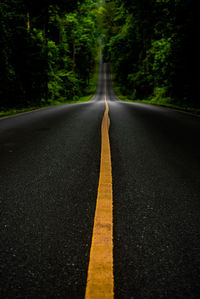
[49, 174]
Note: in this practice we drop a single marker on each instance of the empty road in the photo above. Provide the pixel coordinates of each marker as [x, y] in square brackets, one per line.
[49, 176]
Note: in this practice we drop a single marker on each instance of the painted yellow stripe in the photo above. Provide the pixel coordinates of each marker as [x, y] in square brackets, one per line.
[100, 281]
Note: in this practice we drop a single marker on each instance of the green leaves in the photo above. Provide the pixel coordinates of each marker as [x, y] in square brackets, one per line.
[152, 47]
[47, 50]
[160, 53]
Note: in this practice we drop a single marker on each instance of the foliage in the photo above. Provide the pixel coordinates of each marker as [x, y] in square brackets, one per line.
[47, 50]
[153, 48]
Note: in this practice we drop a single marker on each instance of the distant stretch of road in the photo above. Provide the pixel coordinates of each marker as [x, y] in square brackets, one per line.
[49, 184]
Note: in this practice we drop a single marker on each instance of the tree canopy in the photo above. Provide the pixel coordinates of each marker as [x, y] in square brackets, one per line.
[153, 48]
[47, 50]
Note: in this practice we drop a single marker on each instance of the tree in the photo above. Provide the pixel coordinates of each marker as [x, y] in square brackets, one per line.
[152, 45]
[44, 48]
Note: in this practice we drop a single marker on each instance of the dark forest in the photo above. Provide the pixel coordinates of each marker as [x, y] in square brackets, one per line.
[48, 50]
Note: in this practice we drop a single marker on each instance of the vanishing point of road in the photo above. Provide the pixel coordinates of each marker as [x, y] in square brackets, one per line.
[100, 200]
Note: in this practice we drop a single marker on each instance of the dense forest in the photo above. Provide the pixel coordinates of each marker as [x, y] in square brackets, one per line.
[154, 50]
[48, 49]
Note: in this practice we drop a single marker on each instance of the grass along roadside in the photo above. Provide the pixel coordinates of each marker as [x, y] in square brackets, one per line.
[164, 102]
[89, 93]
[13, 111]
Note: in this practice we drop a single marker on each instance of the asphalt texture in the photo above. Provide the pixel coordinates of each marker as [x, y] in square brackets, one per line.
[49, 171]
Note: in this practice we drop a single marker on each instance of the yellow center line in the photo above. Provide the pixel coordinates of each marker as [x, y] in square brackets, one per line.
[100, 281]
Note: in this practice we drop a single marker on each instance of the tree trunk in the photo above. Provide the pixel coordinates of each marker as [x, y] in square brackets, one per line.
[46, 25]
[28, 24]
[74, 55]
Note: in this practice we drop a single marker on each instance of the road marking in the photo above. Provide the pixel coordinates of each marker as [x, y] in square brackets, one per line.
[100, 280]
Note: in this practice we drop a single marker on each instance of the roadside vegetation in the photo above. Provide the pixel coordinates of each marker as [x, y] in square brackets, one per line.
[49, 50]
[152, 46]
[89, 92]
[48, 53]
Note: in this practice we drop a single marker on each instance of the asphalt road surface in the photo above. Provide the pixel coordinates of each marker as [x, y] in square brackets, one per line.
[49, 172]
